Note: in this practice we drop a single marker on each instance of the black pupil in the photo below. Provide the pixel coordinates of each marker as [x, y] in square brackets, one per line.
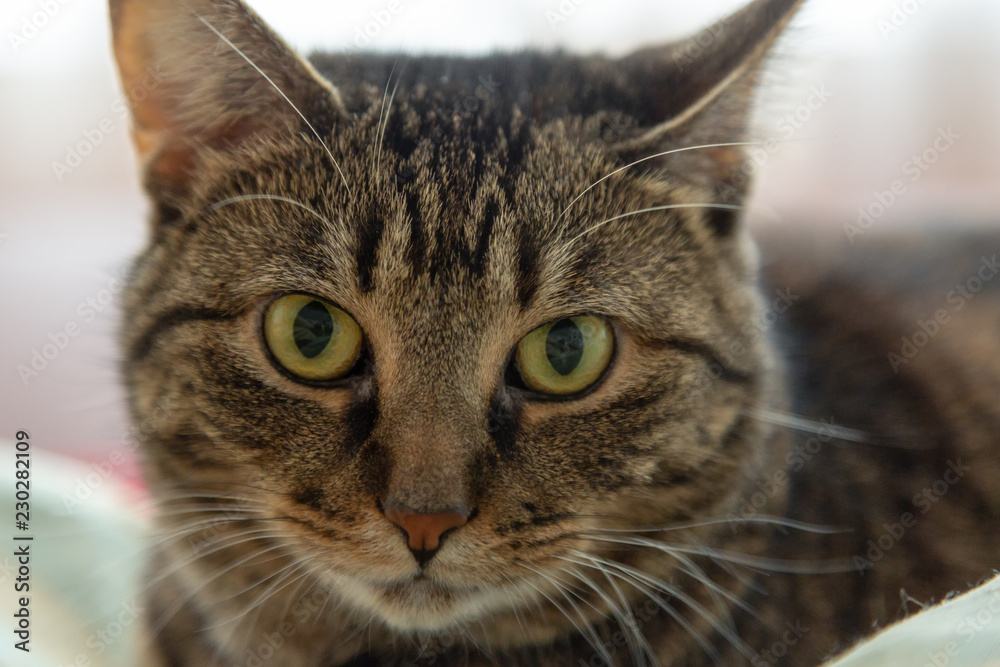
[313, 329]
[564, 346]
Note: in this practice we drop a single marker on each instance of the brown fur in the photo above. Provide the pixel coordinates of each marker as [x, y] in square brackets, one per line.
[447, 224]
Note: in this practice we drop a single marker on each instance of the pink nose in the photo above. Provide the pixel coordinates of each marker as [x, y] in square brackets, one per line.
[424, 531]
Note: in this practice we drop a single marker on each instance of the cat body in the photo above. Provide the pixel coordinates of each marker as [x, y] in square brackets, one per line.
[431, 495]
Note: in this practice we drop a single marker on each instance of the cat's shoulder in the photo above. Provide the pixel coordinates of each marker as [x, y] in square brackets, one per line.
[897, 336]
[928, 301]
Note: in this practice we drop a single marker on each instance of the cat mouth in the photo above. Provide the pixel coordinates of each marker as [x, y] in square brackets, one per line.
[427, 588]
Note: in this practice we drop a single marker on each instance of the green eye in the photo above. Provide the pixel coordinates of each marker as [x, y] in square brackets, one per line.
[565, 356]
[311, 338]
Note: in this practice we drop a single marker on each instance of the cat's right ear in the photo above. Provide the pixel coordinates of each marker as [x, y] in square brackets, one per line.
[698, 93]
[209, 73]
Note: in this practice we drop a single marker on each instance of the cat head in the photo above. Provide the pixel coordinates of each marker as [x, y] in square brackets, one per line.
[443, 321]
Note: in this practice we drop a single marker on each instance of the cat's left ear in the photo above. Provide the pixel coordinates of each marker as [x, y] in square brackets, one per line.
[700, 91]
[209, 74]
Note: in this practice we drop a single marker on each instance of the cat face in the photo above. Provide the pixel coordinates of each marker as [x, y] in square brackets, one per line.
[426, 336]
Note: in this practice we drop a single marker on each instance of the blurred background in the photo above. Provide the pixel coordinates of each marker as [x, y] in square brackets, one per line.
[860, 88]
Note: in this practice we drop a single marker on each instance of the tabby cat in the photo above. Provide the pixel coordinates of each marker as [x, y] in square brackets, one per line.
[467, 361]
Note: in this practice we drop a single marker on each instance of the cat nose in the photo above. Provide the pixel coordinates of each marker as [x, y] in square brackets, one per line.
[424, 532]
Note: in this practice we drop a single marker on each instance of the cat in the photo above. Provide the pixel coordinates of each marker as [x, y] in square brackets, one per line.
[471, 361]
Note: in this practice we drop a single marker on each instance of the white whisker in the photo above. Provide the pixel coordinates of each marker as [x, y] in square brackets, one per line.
[759, 562]
[381, 110]
[585, 630]
[680, 595]
[807, 425]
[652, 157]
[388, 111]
[280, 92]
[670, 152]
[662, 604]
[233, 200]
[651, 209]
[639, 648]
[762, 519]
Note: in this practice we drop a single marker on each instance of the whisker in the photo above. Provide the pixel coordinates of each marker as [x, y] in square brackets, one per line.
[234, 200]
[652, 157]
[187, 531]
[179, 604]
[763, 519]
[199, 526]
[651, 209]
[268, 594]
[639, 648]
[586, 631]
[280, 92]
[381, 109]
[507, 589]
[319, 613]
[717, 591]
[695, 606]
[114, 564]
[228, 542]
[253, 624]
[282, 575]
[662, 604]
[760, 562]
[220, 511]
[805, 425]
[388, 110]
[535, 602]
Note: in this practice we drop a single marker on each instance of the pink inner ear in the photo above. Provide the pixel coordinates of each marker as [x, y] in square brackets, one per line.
[169, 153]
[167, 143]
[151, 123]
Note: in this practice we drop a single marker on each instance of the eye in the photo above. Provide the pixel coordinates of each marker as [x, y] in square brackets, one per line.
[565, 356]
[312, 339]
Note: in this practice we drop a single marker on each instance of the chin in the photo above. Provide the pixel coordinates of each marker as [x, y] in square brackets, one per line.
[420, 604]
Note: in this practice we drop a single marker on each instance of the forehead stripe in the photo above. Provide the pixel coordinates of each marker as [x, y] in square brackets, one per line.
[369, 238]
[485, 232]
